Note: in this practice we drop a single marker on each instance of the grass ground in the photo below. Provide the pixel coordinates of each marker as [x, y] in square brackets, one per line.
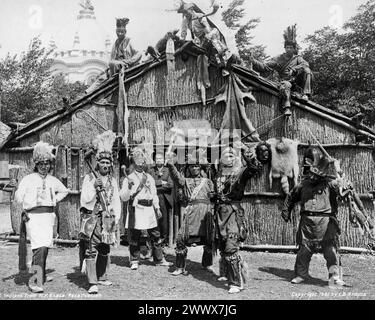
[269, 278]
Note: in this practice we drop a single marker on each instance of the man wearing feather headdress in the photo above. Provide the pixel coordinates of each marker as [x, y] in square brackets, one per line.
[139, 189]
[230, 182]
[100, 213]
[39, 193]
[294, 72]
[123, 54]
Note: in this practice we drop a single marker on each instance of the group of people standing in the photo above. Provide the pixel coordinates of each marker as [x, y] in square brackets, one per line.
[212, 212]
[210, 204]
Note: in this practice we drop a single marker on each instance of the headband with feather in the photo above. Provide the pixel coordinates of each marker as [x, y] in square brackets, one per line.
[290, 36]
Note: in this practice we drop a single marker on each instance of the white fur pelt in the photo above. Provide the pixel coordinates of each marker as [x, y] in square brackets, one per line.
[284, 162]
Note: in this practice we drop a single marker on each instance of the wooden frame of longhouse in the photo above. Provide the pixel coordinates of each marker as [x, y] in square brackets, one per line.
[156, 96]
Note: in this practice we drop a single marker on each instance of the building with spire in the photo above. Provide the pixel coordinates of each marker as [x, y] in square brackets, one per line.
[82, 50]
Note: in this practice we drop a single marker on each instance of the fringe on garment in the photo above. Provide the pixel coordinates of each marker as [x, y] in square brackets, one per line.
[244, 270]
[109, 237]
[183, 233]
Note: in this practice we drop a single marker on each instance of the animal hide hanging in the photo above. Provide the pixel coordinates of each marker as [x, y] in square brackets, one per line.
[235, 122]
[203, 80]
[284, 161]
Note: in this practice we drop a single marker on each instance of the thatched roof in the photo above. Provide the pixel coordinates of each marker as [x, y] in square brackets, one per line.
[249, 77]
[4, 132]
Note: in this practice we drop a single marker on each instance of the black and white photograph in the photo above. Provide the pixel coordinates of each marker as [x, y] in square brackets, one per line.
[208, 153]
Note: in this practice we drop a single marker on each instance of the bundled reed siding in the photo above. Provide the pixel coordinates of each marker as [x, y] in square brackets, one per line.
[158, 88]
[24, 161]
[153, 124]
[156, 100]
[267, 227]
[266, 224]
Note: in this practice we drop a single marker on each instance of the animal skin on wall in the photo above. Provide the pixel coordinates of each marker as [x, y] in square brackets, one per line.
[284, 161]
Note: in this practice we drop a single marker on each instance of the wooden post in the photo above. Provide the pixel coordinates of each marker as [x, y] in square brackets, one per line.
[69, 168]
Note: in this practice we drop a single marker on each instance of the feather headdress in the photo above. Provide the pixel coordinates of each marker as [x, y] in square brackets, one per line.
[43, 152]
[103, 144]
[142, 154]
[290, 36]
[121, 22]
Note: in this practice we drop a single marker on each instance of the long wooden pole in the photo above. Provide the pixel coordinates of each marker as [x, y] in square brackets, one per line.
[295, 248]
[312, 110]
[365, 196]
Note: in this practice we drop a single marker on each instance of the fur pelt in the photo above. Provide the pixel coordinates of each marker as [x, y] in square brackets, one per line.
[284, 161]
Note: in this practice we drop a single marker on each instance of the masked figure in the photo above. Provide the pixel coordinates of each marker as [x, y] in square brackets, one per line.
[230, 183]
[197, 225]
[318, 228]
[204, 32]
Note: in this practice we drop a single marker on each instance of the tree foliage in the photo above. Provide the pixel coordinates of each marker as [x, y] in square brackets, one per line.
[344, 64]
[233, 17]
[27, 88]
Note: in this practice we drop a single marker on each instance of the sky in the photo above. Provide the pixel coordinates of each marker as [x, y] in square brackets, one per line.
[20, 20]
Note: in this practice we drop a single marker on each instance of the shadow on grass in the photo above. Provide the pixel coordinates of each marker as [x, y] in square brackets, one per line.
[121, 261]
[195, 270]
[78, 278]
[288, 275]
[22, 278]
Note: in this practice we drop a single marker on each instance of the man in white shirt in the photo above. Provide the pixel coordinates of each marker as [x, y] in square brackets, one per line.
[144, 211]
[39, 193]
[97, 218]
